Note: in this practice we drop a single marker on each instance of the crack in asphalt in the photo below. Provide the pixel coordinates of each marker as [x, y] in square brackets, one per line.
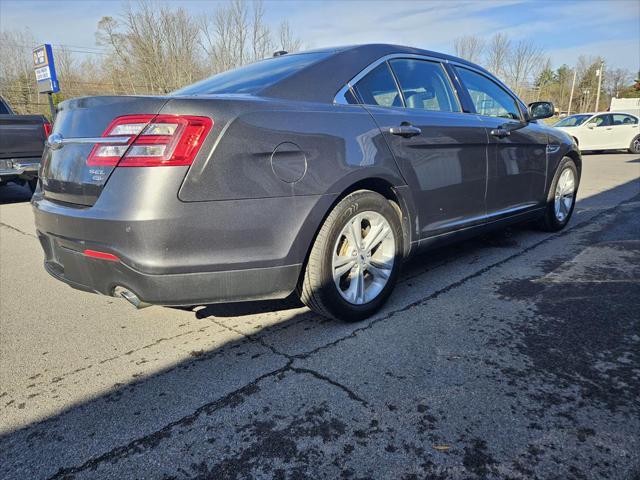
[231, 399]
[250, 388]
[352, 395]
[15, 229]
[290, 358]
[254, 338]
[154, 438]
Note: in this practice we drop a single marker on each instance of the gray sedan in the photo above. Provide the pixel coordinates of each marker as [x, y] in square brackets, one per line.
[316, 172]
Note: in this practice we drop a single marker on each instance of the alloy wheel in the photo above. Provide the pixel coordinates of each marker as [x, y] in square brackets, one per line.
[565, 194]
[363, 257]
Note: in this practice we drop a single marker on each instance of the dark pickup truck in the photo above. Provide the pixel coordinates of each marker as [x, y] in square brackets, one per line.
[22, 139]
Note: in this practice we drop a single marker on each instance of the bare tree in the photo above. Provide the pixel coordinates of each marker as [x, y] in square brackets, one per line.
[261, 42]
[148, 47]
[523, 61]
[469, 47]
[616, 80]
[17, 81]
[226, 33]
[118, 63]
[236, 33]
[156, 46]
[498, 52]
[287, 39]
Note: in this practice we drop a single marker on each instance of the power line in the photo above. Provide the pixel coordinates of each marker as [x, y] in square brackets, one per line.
[86, 50]
[21, 45]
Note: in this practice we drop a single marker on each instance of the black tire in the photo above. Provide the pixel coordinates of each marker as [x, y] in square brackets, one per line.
[549, 222]
[634, 147]
[317, 289]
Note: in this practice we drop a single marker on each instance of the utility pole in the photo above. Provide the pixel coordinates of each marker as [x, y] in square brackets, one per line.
[587, 97]
[599, 75]
[52, 107]
[573, 85]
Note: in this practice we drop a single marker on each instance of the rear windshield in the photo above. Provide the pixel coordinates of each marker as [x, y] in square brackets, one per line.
[572, 121]
[253, 77]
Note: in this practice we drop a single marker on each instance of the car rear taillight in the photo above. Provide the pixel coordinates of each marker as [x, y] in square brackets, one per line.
[47, 129]
[154, 140]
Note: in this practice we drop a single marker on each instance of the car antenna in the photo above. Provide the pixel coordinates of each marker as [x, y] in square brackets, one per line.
[279, 53]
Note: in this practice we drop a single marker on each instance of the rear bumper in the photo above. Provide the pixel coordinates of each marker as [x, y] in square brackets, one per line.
[26, 168]
[178, 253]
[100, 276]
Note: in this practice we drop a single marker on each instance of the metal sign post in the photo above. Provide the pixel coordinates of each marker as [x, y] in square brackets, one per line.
[45, 70]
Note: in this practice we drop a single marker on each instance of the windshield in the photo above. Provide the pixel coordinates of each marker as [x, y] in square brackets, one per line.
[253, 77]
[572, 121]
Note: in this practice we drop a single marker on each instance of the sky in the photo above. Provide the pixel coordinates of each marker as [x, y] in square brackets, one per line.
[564, 29]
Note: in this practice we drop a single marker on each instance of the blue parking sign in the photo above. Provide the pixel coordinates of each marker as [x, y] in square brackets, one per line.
[45, 69]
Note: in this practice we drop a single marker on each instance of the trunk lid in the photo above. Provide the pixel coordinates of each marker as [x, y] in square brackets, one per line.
[65, 174]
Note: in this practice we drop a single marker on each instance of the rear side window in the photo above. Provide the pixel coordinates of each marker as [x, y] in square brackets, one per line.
[425, 85]
[379, 88]
[622, 119]
[3, 109]
[255, 76]
[488, 98]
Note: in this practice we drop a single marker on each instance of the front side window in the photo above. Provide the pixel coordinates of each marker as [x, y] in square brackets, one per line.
[379, 88]
[488, 98]
[600, 121]
[425, 85]
[572, 121]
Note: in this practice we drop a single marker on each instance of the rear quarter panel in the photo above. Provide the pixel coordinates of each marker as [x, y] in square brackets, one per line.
[329, 146]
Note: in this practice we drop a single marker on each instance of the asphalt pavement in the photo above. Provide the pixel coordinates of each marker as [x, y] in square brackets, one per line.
[513, 355]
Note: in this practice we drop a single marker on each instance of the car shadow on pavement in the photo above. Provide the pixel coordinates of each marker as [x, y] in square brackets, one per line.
[256, 404]
[247, 308]
[14, 193]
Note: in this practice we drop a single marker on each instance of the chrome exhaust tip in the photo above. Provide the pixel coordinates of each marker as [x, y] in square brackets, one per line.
[130, 297]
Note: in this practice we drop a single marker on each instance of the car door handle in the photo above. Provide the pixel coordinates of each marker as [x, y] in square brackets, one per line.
[500, 132]
[406, 131]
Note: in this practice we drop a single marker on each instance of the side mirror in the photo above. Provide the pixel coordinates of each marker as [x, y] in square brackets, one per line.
[539, 110]
[591, 125]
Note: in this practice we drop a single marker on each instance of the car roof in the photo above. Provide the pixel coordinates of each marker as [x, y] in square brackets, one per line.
[606, 113]
[382, 49]
[321, 81]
